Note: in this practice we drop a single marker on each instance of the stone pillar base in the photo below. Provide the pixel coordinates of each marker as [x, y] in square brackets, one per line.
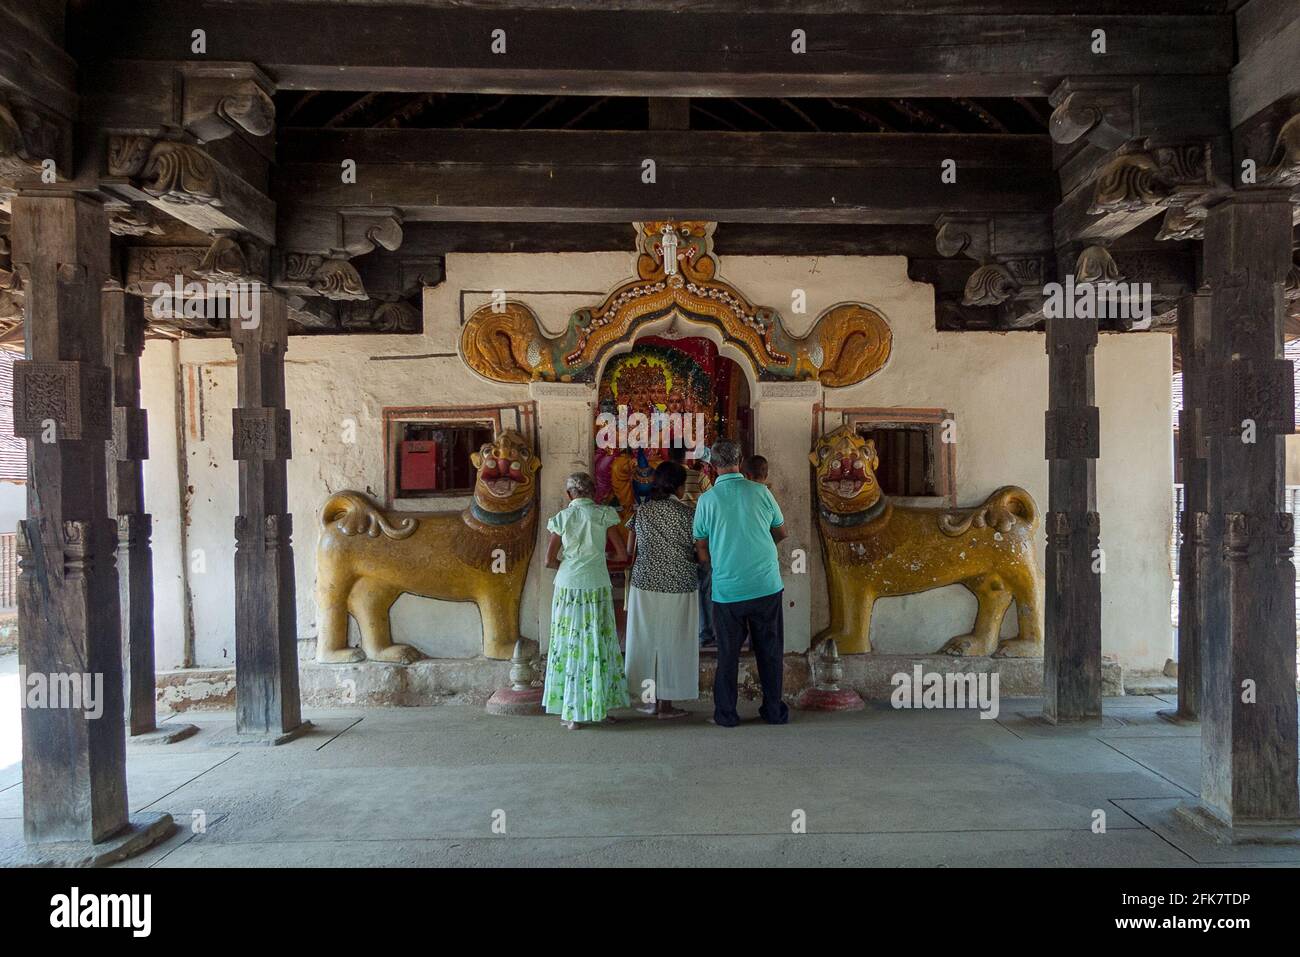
[142, 832]
[233, 738]
[164, 734]
[1174, 717]
[509, 701]
[822, 699]
[1278, 833]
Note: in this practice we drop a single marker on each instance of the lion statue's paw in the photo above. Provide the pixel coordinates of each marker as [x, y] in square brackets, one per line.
[341, 656]
[398, 655]
[1019, 648]
[965, 646]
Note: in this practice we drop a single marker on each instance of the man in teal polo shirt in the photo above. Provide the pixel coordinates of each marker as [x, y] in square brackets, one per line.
[737, 526]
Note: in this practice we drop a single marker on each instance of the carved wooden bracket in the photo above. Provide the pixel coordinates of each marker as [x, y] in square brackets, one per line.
[28, 137]
[1012, 267]
[1101, 114]
[184, 181]
[227, 259]
[1096, 264]
[1143, 176]
[220, 98]
[318, 263]
[398, 317]
[130, 219]
[1283, 167]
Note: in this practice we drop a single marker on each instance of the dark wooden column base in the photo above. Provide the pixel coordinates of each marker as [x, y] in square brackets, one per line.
[1072, 662]
[266, 630]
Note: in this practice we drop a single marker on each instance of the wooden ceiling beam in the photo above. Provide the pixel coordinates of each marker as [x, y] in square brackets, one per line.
[579, 176]
[419, 48]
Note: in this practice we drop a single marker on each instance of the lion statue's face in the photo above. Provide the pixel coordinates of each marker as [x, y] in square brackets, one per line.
[846, 470]
[507, 470]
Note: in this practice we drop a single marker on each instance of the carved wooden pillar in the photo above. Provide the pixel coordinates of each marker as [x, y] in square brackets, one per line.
[1248, 708]
[124, 342]
[266, 638]
[74, 760]
[1193, 338]
[1072, 635]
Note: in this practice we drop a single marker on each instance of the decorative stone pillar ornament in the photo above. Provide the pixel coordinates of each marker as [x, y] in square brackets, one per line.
[827, 695]
[521, 697]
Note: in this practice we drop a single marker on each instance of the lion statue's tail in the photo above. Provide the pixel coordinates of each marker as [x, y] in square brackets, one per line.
[1001, 511]
[354, 514]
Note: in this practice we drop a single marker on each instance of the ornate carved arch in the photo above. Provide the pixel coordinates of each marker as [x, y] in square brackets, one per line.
[505, 343]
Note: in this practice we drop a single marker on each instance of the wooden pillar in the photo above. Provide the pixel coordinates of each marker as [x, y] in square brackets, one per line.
[74, 759]
[1193, 338]
[266, 634]
[1248, 707]
[124, 325]
[1072, 635]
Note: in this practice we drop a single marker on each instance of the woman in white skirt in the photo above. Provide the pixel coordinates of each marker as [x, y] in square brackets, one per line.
[663, 613]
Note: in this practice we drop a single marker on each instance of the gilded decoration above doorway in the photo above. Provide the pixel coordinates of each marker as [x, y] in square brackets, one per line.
[676, 276]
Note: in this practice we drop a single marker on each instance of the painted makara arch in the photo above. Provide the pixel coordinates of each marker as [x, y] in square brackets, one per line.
[676, 273]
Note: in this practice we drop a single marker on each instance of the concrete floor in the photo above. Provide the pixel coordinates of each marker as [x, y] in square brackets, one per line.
[880, 787]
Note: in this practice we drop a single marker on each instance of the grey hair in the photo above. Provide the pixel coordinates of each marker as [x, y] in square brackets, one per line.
[725, 454]
[580, 484]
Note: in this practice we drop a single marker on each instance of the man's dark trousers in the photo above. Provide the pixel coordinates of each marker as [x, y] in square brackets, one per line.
[705, 577]
[762, 621]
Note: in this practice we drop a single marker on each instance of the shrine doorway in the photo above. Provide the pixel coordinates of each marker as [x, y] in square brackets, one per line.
[664, 393]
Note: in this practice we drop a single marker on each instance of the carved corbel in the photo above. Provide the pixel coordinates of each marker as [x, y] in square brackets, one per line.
[1183, 222]
[336, 278]
[219, 99]
[1010, 274]
[232, 258]
[168, 170]
[1146, 177]
[1283, 167]
[1096, 264]
[27, 139]
[182, 180]
[321, 267]
[957, 236]
[130, 219]
[394, 317]
[11, 295]
[989, 285]
[361, 230]
[1101, 115]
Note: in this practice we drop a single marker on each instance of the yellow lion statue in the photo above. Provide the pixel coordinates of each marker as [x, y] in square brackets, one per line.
[366, 559]
[875, 549]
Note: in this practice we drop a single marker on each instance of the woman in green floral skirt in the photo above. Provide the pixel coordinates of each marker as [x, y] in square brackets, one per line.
[585, 678]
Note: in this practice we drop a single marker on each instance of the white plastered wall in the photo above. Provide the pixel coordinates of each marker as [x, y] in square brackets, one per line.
[994, 384]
